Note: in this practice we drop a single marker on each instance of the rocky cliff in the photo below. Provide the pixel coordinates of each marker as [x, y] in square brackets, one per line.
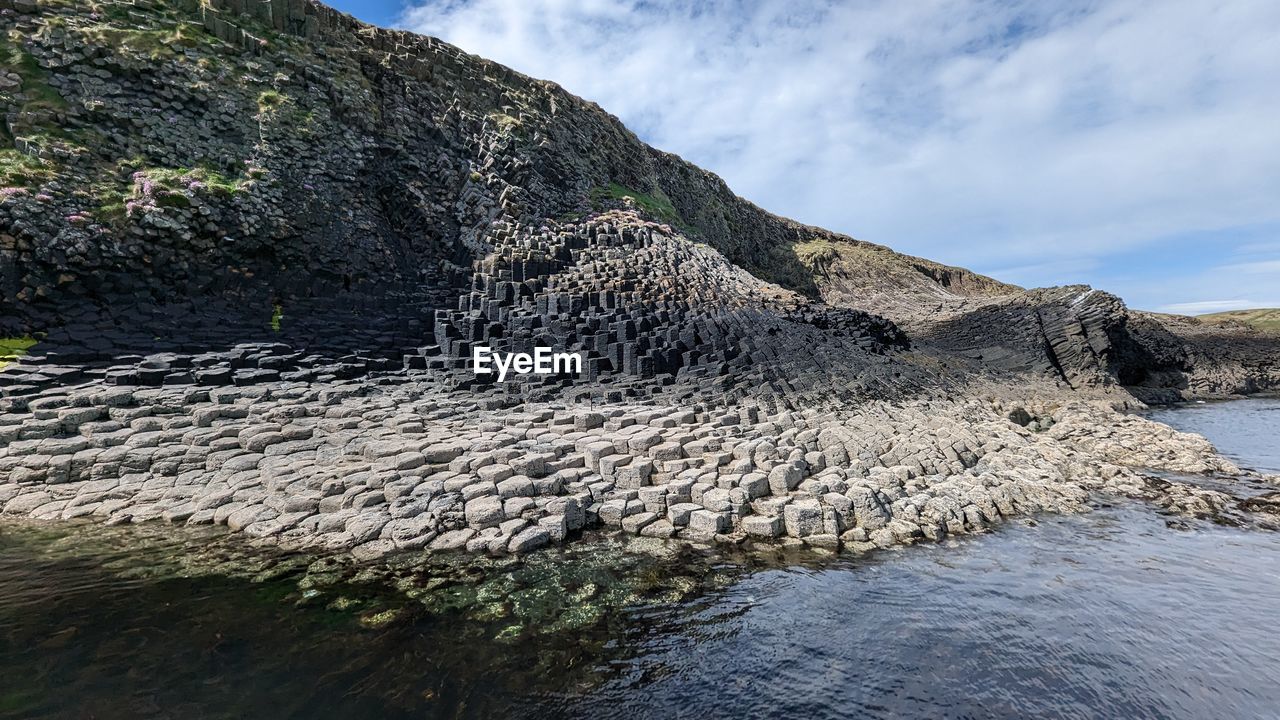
[169, 150]
[185, 167]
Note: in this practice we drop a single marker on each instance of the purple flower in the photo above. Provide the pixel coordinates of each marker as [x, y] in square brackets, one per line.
[44, 198]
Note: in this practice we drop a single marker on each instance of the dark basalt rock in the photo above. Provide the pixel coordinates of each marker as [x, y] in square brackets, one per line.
[283, 193]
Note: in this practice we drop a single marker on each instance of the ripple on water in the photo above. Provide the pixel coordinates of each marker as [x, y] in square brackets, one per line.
[1109, 614]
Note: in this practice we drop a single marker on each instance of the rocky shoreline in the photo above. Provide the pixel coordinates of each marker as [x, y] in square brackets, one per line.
[374, 469]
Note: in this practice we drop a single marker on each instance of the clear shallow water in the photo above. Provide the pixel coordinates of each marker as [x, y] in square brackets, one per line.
[1247, 431]
[1109, 614]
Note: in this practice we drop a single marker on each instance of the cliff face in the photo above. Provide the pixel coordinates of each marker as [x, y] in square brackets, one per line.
[161, 150]
[251, 154]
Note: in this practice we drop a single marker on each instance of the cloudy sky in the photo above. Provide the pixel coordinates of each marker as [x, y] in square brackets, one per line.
[1134, 146]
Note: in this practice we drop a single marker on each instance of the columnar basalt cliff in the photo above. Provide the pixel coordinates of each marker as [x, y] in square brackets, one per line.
[258, 240]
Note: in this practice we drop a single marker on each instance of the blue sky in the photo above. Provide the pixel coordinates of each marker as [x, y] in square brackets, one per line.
[378, 12]
[1125, 144]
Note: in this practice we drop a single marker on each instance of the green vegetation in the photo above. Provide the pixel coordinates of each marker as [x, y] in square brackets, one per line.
[13, 348]
[154, 43]
[180, 180]
[657, 204]
[817, 254]
[785, 265]
[35, 123]
[19, 702]
[18, 169]
[1265, 319]
[505, 123]
[110, 192]
[277, 314]
[130, 185]
[111, 208]
[279, 107]
[270, 101]
[40, 95]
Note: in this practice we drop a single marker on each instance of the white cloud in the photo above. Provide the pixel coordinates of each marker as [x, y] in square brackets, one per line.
[1264, 267]
[1207, 306]
[1028, 135]
[1232, 286]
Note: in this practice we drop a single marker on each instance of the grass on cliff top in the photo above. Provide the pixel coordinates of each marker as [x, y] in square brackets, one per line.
[657, 204]
[13, 348]
[881, 266]
[816, 254]
[1265, 319]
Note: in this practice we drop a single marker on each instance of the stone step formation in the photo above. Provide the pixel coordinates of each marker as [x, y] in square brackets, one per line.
[380, 469]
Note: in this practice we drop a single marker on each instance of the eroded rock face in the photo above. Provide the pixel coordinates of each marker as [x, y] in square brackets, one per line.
[168, 151]
[1088, 339]
[277, 153]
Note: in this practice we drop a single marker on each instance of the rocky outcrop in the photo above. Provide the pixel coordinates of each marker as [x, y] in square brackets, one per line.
[166, 152]
[264, 154]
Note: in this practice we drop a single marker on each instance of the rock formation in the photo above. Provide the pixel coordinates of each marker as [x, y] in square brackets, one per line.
[258, 240]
